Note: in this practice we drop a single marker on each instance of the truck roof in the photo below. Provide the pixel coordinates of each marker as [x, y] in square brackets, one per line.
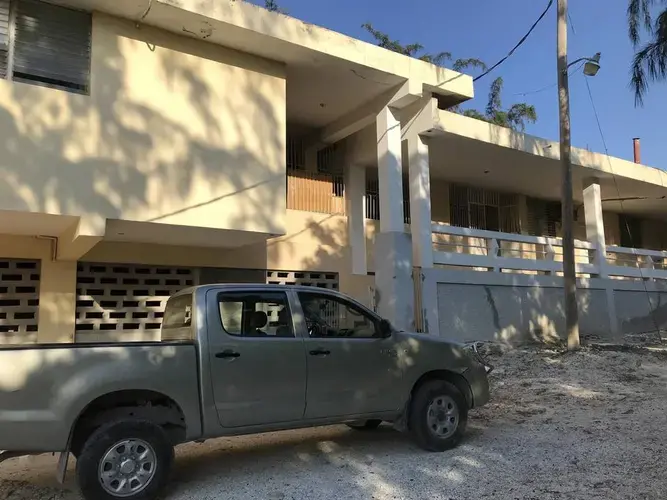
[265, 286]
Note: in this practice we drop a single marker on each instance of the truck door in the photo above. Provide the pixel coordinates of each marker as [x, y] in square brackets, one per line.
[352, 370]
[258, 364]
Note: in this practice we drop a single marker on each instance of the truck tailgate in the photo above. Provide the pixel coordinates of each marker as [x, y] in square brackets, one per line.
[44, 388]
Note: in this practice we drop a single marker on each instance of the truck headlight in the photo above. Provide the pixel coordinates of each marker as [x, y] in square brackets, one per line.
[471, 348]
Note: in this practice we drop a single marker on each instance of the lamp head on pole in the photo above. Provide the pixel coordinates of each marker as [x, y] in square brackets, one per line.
[592, 65]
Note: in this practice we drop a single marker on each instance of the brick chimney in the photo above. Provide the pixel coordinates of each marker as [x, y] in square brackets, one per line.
[638, 150]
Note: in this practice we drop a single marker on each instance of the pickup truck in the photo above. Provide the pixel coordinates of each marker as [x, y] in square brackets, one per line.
[232, 360]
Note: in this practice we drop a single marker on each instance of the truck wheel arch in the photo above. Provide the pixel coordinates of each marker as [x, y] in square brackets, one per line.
[457, 379]
[141, 404]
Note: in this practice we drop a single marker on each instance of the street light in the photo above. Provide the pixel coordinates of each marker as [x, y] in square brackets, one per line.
[592, 65]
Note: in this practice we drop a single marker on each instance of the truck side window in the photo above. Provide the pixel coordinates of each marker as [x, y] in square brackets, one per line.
[329, 316]
[256, 314]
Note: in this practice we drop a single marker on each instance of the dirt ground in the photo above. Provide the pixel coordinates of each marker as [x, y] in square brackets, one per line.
[585, 425]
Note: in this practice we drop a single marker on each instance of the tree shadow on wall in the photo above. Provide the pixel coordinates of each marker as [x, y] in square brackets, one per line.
[135, 151]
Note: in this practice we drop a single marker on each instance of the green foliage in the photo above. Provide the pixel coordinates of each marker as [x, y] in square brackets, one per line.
[272, 6]
[515, 117]
[650, 60]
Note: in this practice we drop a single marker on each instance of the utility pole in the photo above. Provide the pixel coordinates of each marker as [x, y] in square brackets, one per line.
[569, 272]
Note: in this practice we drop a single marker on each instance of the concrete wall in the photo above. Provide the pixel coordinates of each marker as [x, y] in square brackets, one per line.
[174, 130]
[513, 308]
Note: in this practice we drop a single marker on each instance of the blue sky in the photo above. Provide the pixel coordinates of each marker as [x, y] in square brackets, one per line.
[487, 29]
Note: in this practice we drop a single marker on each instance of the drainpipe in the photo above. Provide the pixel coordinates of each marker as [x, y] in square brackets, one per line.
[54, 245]
[637, 148]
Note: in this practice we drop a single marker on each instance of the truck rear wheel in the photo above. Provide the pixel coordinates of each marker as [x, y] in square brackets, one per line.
[128, 459]
[438, 416]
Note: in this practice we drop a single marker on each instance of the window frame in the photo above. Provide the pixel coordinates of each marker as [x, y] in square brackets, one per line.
[241, 296]
[347, 302]
[29, 79]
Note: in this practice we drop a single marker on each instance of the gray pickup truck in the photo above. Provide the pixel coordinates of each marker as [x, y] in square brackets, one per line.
[232, 360]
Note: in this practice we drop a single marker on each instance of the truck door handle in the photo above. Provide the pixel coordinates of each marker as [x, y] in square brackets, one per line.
[319, 352]
[227, 355]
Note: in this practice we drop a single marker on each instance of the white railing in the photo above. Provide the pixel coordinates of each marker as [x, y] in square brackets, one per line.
[636, 263]
[493, 251]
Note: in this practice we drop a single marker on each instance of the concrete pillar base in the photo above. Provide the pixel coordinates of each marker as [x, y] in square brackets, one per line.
[393, 279]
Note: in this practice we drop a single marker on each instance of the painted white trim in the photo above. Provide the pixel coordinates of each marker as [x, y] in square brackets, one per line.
[519, 238]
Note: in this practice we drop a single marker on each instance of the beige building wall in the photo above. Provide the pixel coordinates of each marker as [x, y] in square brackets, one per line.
[175, 130]
[57, 289]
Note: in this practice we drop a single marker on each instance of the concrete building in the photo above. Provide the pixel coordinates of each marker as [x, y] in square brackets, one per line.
[150, 145]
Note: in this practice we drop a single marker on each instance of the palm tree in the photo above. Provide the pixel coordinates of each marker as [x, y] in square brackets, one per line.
[515, 117]
[650, 61]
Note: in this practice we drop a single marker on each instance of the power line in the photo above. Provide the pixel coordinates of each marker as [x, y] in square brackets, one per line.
[542, 89]
[574, 31]
[620, 200]
[523, 39]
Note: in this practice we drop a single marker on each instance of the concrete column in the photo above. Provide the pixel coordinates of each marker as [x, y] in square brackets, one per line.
[594, 220]
[355, 195]
[595, 235]
[393, 252]
[420, 204]
[390, 172]
[57, 302]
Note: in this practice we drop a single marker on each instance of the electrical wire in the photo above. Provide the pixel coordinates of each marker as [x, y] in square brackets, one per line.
[553, 85]
[618, 192]
[523, 39]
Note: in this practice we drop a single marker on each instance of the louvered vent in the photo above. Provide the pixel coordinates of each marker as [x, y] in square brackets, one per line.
[304, 278]
[52, 45]
[125, 298]
[19, 300]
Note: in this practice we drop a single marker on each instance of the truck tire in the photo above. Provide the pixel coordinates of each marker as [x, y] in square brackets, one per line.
[129, 459]
[438, 416]
[365, 425]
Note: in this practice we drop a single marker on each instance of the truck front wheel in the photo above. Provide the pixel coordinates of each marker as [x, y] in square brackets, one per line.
[128, 459]
[438, 416]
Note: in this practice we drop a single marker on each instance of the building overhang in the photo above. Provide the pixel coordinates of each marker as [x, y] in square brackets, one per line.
[248, 28]
[477, 153]
[72, 237]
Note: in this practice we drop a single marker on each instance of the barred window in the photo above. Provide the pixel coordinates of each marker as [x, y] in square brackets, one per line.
[479, 208]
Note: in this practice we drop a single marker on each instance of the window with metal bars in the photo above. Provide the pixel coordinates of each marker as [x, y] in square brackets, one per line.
[45, 44]
[329, 162]
[373, 197]
[296, 154]
[544, 217]
[479, 208]
[631, 231]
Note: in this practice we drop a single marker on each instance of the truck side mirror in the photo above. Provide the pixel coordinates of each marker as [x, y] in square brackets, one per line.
[384, 328]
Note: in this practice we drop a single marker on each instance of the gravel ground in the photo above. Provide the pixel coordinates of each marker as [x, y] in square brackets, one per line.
[585, 425]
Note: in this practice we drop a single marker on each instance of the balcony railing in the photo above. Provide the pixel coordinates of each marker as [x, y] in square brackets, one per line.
[490, 251]
[316, 192]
